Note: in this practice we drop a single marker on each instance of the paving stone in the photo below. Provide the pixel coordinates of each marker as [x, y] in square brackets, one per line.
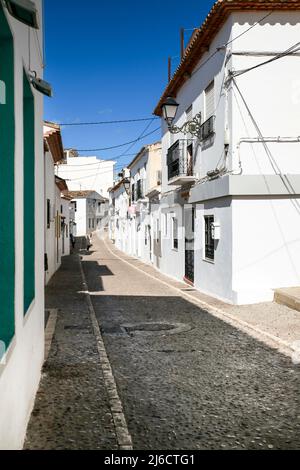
[71, 409]
[211, 387]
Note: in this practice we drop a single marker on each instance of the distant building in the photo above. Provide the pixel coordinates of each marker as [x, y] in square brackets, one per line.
[90, 211]
[134, 216]
[57, 211]
[86, 173]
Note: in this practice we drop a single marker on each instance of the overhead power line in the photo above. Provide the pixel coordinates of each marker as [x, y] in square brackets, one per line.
[285, 53]
[222, 46]
[98, 123]
[120, 145]
[99, 162]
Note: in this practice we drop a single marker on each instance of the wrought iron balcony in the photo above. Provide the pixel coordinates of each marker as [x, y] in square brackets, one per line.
[180, 163]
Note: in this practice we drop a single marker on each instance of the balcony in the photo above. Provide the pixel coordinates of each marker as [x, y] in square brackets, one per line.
[180, 163]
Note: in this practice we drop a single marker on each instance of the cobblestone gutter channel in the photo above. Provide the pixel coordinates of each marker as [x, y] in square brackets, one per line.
[74, 407]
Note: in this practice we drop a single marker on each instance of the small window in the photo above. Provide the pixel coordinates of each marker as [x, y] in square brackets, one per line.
[210, 100]
[209, 242]
[189, 113]
[175, 233]
[48, 213]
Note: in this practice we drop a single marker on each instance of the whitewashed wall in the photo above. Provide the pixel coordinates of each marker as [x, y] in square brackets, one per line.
[20, 375]
[65, 239]
[88, 173]
[81, 217]
[258, 248]
[52, 248]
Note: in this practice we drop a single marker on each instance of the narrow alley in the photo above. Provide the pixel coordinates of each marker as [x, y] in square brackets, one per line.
[185, 379]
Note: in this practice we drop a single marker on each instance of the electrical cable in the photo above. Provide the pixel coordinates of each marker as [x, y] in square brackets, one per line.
[218, 49]
[132, 145]
[289, 51]
[251, 27]
[272, 160]
[103, 160]
[120, 145]
[139, 137]
[98, 123]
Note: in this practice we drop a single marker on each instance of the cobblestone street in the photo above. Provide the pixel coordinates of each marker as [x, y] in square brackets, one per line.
[186, 379]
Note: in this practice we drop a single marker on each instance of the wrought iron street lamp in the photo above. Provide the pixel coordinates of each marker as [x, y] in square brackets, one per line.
[169, 110]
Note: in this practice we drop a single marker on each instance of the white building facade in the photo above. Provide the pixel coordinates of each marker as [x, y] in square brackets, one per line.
[91, 211]
[86, 173]
[230, 202]
[135, 216]
[21, 226]
[57, 206]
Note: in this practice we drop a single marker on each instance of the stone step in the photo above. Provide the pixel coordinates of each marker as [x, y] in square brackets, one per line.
[289, 296]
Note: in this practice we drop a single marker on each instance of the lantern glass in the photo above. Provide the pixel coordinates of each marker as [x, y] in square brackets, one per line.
[169, 110]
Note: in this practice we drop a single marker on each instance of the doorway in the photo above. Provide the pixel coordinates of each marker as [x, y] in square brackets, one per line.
[189, 225]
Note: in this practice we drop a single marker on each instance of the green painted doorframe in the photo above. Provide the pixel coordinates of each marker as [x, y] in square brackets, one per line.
[29, 193]
[7, 187]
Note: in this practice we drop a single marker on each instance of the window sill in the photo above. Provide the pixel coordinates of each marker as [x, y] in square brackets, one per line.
[207, 260]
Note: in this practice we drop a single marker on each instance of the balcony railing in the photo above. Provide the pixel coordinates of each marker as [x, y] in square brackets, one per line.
[207, 129]
[180, 159]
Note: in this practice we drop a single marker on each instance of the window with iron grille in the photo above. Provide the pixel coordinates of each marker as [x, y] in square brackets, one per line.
[209, 242]
[48, 213]
[173, 160]
[139, 189]
[180, 159]
[133, 192]
[208, 128]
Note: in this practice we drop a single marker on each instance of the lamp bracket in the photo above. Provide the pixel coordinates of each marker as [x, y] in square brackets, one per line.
[189, 127]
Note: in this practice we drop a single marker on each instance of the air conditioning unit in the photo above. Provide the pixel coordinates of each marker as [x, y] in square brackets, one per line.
[215, 231]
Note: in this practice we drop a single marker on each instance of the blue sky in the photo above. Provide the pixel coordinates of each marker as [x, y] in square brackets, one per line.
[107, 60]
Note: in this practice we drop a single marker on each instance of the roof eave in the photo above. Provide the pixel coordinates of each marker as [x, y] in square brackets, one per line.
[206, 33]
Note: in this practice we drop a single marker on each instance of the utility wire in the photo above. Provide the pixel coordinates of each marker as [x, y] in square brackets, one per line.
[139, 137]
[275, 166]
[103, 160]
[289, 51]
[120, 145]
[221, 47]
[98, 123]
[132, 145]
[251, 27]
